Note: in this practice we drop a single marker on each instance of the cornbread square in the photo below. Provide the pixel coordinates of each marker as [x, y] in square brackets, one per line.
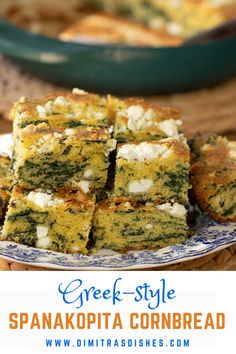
[153, 170]
[5, 183]
[72, 158]
[213, 175]
[58, 221]
[137, 120]
[62, 110]
[134, 226]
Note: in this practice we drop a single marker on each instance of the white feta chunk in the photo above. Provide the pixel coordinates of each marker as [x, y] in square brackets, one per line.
[77, 91]
[170, 127]
[142, 151]
[140, 186]
[176, 210]
[43, 200]
[88, 173]
[43, 242]
[42, 231]
[84, 185]
[61, 101]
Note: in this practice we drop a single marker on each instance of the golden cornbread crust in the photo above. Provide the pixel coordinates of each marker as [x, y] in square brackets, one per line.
[213, 175]
[29, 105]
[135, 119]
[62, 110]
[162, 112]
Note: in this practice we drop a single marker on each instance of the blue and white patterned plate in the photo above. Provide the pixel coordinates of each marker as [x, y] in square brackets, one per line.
[208, 237]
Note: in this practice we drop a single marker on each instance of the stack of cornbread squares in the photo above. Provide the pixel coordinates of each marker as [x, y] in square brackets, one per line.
[64, 195]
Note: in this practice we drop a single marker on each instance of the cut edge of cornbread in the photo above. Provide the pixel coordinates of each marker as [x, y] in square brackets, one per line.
[58, 221]
[213, 175]
[130, 225]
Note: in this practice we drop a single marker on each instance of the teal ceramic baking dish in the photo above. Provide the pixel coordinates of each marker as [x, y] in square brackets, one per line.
[121, 70]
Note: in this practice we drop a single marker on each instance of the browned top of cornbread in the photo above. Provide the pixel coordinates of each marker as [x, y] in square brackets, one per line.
[107, 28]
[180, 148]
[76, 199]
[113, 103]
[212, 156]
[28, 105]
[79, 133]
[162, 112]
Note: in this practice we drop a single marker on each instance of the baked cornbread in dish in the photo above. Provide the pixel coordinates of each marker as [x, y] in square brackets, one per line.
[213, 175]
[182, 18]
[62, 110]
[58, 221]
[110, 29]
[135, 226]
[73, 158]
[5, 183]
[137, 120]
[153, 170]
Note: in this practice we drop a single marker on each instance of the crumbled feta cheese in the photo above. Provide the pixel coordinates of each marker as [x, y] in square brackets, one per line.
[176, 210]
[149, 226]
[23, 99]
[110, 129]
[42, 111]
[169, 127]
[57, 135]
[43, 200]
[61, 101]
[29, 129]
[22, 115]
[84, 185]
[42, 231]
[69, 132]
[49, 107]
[88, 173]
[127, 205]
[138, 119]
[140, 186]
[43, 242]
[141, 151]
[149, 204]
[77, 91]
[42, 126]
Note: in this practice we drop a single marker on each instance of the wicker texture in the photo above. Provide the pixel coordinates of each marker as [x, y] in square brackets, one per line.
[206, 110]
